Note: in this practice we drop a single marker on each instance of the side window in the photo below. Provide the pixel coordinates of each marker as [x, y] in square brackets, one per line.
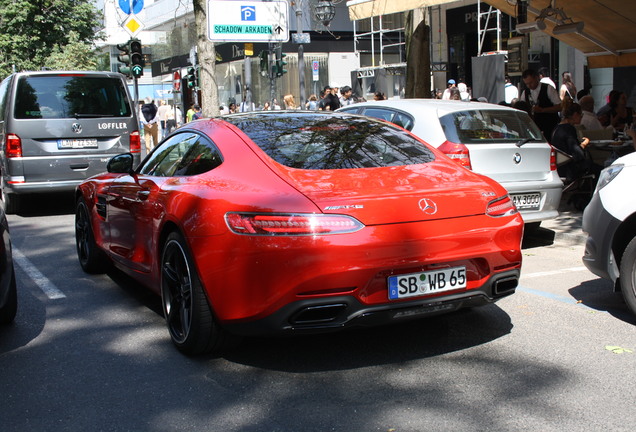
[183, 154]
[380, 113]
[403, 120]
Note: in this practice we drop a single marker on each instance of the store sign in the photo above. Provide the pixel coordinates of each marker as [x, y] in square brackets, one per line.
[248, 21]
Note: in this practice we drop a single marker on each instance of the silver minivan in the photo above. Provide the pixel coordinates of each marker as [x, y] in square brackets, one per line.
[59, 128]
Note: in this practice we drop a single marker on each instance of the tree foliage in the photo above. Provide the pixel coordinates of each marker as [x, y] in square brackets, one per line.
[33, 30]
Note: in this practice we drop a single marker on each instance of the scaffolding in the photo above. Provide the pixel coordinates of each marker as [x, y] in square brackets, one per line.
[490, 17]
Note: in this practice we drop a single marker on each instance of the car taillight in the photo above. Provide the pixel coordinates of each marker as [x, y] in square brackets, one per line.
[135, 142]
[14, 146]
[291, 224]
[502, 206]
[553, 162]
[457, 152]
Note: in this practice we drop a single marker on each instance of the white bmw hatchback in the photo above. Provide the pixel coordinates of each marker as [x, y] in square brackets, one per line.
[500, 142]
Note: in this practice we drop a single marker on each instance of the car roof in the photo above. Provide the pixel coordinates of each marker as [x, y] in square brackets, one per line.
[432, 106]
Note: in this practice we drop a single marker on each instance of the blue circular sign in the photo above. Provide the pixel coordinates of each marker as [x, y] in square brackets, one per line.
[131, 6]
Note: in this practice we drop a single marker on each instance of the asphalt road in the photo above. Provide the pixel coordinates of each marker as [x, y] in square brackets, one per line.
[92, 353]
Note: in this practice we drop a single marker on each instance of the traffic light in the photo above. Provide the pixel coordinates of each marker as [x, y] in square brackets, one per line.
[279, 69]
[136, 58]
[192, 77]
[124, 57]
[264, 65]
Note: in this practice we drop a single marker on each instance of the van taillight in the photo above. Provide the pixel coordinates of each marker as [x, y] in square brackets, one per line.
[14, 146]
[135, 142]
[553, 162]
[457, 152]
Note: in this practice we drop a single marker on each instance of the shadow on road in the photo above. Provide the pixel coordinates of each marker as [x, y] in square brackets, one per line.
[598, 294]
[47, 204]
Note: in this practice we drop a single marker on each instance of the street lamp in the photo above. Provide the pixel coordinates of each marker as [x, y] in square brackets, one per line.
[324, 11]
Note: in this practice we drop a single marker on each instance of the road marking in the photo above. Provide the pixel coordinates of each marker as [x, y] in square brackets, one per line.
[553, 272]
[549, 295]
[36, 275]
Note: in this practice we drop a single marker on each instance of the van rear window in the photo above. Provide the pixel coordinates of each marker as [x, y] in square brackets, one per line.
[70, 96]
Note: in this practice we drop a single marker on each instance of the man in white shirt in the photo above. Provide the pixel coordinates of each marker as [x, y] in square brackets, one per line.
[544, 77]
[544, 100]
[589, 119]
[510, 91]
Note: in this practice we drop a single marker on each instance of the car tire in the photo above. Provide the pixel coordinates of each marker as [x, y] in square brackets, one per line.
[628, 275]
[92, 259]
[9, 309]
[189, 317]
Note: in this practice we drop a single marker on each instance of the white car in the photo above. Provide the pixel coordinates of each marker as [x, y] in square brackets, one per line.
[610, 223]
[500, 142]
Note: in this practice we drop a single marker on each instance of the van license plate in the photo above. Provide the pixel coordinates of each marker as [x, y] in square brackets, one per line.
[431, 282]
[76, 143]
[531, 201]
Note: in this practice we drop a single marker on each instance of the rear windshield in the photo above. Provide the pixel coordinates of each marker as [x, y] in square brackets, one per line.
[59, 97]
[487, 126]
[320, 142]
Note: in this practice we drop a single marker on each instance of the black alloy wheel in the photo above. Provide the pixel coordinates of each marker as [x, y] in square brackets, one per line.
[91, 257]
[189, 317]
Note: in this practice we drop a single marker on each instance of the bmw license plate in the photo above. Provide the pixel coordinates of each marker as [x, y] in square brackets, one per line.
[76, 143]
[431, 282]
[530, 201]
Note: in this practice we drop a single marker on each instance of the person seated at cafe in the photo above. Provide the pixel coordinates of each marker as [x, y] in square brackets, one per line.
[616, 113]
[566, 139]
[589, 120]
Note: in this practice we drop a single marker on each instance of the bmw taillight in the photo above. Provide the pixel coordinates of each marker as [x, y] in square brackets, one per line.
[553, 162]
[457, 152]
[502, 206]
[14, 146]
[135, 142]
[275, 224]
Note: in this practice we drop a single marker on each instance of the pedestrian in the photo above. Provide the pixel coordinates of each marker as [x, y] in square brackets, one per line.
[150, 120]
[312, 103]
[544, 77]
[232, 108]
[447, 93]
[190, 113]
[565, 138]
[330, 101]
[171, 122]
[511, 92]
[197, 113]
[544, 100]
[567, 93]
[289, 101]
[379, 96]
[346, 96]
[161, 112]
[589, 119]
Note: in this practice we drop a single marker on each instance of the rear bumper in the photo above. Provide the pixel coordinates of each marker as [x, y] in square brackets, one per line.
[550, 191]
[336, 313]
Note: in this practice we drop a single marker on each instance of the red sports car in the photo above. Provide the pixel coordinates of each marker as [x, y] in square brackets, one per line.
[267, 222]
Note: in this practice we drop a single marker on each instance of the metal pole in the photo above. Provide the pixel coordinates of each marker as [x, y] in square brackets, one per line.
[301, 53]
[248, 84]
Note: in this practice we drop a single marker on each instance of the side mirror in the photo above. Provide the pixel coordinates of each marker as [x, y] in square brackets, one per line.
[121, 164]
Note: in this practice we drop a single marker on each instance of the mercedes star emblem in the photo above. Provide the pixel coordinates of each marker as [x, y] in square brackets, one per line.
[428, 206]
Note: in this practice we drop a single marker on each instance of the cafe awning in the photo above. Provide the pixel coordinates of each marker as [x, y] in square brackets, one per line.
[607, 33]
[361, 9]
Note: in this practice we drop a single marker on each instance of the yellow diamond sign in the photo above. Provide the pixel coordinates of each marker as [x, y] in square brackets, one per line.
[132, 25]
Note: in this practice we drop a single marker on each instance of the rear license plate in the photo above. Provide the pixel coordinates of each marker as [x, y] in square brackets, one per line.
[76, 143]
[425, 283]
[531, 201]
